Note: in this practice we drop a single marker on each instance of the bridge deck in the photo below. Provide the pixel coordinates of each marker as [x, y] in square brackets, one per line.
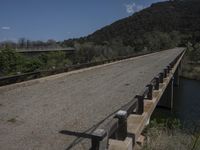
[31, 116]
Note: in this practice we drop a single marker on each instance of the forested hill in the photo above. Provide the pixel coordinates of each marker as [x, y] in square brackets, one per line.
[172, 17]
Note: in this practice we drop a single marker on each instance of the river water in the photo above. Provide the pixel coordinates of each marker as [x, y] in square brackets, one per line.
[187, 100]
[186, 103]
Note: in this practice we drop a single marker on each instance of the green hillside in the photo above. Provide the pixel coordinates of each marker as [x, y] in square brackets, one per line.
[172, 17]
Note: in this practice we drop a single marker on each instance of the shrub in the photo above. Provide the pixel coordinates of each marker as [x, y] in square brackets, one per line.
[9, 61]
[193, 51]
[54, 60]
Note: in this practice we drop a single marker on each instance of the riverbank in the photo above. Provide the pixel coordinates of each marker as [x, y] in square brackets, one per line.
[168, 134]
[190, 69]
[182, 133]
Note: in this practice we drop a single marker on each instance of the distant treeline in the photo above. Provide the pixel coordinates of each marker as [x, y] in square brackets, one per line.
[24, 43]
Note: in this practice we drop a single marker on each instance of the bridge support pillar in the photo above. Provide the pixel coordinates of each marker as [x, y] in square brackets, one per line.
[167, 99]
[176, 76]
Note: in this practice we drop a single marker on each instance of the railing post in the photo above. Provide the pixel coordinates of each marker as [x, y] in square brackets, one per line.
[170, 66]
[98, 136]
[150, 92]
[168, 69]
[165, 73]
[161, 76]
[122, 124]
[157, 83]
[140, 109]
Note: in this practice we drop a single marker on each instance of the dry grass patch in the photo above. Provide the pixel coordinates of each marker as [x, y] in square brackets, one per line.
[169, 135]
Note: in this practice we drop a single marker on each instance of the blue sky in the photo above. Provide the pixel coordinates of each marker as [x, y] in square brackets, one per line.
[61, 19]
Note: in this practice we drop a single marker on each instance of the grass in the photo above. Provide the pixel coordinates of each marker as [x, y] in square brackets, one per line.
[169, 134]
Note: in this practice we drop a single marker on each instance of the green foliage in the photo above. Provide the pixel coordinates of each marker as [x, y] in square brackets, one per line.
[169, 123]
[85, 52]
[163, 25]
[167, 134]
[159, 40]
[9, 61]
[12, 62]
[191, 67]
[90, 52]
[31, 65]
[54, 60]
[194, 52]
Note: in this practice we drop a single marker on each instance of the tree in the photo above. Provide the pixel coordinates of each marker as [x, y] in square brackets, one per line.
[8, 61]
[54, 60]
[194, 51]
[84, 52]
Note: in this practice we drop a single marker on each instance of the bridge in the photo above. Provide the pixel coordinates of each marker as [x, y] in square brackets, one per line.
[36, 52]
[100, 107]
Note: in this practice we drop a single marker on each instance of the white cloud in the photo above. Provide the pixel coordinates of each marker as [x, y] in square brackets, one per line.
[5, 28]
[133, 7]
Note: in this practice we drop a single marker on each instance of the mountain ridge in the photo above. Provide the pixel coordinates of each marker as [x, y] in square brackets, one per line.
[168, 16]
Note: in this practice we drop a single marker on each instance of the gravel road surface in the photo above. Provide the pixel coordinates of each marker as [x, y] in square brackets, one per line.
[31, 116]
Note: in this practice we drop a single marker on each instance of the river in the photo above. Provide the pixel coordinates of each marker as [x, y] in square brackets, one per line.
[186, 103]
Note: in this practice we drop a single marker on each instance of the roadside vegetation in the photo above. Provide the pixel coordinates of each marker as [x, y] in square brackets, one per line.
[191, 62]
[12, 63]
[170, 134]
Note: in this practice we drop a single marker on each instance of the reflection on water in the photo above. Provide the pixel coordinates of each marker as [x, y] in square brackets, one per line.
[186, 103]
